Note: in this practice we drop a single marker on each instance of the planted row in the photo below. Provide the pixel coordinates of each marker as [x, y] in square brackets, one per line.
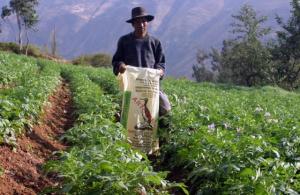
[234, 140]
[105, 78]
[21, 106]
[13, 68]
[101, 160]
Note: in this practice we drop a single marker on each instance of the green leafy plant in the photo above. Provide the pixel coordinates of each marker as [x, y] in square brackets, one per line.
[233, 140]
[22, 104]
[101, 159]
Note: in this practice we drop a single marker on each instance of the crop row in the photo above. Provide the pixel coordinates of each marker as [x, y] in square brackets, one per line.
[105, 79]
[13, 68]
[21, 106]
[234, 140]
[101, 160]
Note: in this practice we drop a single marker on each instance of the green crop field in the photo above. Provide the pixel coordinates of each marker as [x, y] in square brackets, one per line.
[221, 139]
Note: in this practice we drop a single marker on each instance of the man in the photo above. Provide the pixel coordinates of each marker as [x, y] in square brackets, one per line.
[139, 49]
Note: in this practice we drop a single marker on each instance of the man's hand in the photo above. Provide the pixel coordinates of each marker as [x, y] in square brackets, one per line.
[122, 68]
[161, 72]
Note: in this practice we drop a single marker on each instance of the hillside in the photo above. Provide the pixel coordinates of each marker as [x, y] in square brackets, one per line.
[183, 26]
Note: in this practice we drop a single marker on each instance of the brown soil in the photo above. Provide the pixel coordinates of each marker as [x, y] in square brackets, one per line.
[23, 172]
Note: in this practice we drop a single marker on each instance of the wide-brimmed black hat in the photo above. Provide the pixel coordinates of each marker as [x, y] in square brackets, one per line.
[139, 12]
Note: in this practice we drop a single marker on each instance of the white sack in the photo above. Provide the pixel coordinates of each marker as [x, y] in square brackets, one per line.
[140, 106]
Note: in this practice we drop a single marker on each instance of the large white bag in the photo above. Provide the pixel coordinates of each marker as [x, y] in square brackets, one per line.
[140, 106]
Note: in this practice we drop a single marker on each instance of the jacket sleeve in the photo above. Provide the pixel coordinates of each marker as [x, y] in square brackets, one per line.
[160, 61]
[118, 58]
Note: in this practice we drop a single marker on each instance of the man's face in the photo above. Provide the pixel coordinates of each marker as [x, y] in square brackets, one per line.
[140, 26]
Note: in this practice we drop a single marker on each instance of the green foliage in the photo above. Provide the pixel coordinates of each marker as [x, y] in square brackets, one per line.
[245, 63]
[101, 160]
[243, 60]
[233, 140]
[223, 139]
[30, 83]
[13, 68]
[200, 71]
[287, 51]
[33, 50]
[26, 17]
[247, 25]
[95, 60]
[106, 79]
[10, 47]
[24, 10]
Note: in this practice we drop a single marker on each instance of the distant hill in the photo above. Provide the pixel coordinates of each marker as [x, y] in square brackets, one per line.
[90, 26]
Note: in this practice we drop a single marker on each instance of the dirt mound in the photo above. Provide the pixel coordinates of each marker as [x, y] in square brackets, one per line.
[22, 168]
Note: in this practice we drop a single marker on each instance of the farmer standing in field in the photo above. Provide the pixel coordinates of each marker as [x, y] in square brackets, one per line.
[140, 49]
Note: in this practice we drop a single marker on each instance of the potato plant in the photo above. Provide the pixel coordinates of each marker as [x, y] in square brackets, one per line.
[101, 160]
[234, 140]
[21, 106]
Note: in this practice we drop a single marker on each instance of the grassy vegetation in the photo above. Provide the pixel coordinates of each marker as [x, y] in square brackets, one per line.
[14, 68]
[95, 60]
[14, 48]
[33, 51]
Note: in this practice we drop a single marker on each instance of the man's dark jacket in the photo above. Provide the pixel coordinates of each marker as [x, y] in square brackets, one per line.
[146, 52]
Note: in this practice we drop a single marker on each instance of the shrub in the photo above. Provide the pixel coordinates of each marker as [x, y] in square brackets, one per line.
[14, 48]
[95, 60]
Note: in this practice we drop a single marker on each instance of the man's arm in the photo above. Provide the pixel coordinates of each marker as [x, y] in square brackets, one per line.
[160, 62]
[118, 59]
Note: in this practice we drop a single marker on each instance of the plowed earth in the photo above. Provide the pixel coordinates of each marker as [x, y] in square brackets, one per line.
[23, 172]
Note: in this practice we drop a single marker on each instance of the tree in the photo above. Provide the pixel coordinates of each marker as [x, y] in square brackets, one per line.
[26, 17]
[53, 42]
[287, 50]
[200, 71]
[247, 25]
[244, 60]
